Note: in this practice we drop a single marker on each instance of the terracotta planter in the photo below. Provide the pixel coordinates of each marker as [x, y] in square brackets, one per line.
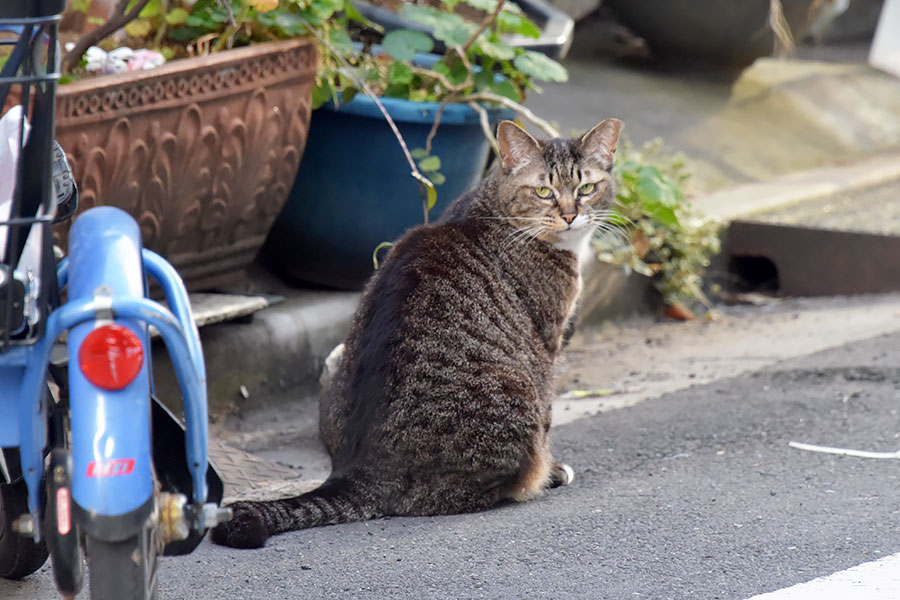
[202, 151]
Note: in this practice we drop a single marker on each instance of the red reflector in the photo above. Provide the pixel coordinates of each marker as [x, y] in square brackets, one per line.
[111, 357]
[63, 511]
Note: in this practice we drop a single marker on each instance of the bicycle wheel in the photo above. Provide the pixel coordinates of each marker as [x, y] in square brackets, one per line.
[125, 570]
[20, 556]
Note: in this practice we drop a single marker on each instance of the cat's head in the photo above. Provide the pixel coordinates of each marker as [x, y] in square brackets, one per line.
[558, 190]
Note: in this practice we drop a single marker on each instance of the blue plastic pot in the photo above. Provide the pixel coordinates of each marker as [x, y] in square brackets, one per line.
[354, 190]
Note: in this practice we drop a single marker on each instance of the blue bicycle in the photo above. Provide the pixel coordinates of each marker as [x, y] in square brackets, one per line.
[90, 462]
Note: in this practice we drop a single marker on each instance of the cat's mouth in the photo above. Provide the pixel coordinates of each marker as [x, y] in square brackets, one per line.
[573, 231]
[553, 231]
[579, 223]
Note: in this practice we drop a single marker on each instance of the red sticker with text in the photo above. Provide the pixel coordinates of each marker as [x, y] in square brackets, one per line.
[110, 468]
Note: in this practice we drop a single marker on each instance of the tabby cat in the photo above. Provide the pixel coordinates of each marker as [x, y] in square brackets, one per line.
[441, 400]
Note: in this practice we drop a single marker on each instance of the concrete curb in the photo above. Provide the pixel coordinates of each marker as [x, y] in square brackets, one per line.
[274, 356]
[748, 199]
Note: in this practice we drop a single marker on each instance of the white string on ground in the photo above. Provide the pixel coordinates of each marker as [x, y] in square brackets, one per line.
[843, 451]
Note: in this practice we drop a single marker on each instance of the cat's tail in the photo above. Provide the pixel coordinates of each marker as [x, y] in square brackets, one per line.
[338, 500]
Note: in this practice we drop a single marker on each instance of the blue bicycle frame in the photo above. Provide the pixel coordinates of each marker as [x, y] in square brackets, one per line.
[106, 283]
[99, 464]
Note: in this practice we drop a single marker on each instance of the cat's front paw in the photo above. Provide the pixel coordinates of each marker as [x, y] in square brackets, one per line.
[246, 528]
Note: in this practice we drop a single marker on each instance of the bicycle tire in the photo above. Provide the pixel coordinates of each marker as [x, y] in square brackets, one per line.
[125, 570]
[20, 556]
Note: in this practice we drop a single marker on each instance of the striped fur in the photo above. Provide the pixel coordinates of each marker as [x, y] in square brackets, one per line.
[441, 401]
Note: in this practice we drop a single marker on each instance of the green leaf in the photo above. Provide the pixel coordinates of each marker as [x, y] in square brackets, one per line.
[399, 72]
[354, 15]
[81, 5]
[665, 215]
[418, 95]
[423, 15]
[177, 16]
[404, 43]
[431, 163]
[152, 9]
[437, 178]
[397, 90]
[430, 192]
[449, 28]
[348, 93]
[653, 187]
[484, 80]
[322, 93]
[442, 68]
[454, 33]
[431, 195]
[507, 89]
[325, 9]
[494, 47]
[138, 28]
[518, 24]
[291, 25]
[488, 6]
[540, 67]
[340, 39]
[418, 153]
[456, 74]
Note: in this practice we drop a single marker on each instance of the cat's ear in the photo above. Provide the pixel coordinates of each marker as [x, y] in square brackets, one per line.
[517, 147]
[600, 142]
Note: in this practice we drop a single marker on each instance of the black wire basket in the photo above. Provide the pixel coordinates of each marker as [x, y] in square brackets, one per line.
[29, 159]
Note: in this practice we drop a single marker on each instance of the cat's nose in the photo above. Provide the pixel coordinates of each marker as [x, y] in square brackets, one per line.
[568, 217]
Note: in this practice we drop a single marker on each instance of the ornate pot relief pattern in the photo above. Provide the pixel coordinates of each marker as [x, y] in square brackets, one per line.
[202, 152]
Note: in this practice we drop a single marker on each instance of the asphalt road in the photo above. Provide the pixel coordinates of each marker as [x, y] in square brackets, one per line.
[692, 495]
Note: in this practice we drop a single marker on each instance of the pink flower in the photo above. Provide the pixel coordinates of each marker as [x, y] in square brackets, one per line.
[145, 59]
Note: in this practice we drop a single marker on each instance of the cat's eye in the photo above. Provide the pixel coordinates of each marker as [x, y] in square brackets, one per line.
[586, 189]
[543, 192]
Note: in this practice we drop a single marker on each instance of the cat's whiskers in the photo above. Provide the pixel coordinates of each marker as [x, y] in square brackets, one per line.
[525, 233]
[519, 218]
[608, 228]
[518, 231]
[608, 215]
[611, 234]
[538, 232]
[519, 234]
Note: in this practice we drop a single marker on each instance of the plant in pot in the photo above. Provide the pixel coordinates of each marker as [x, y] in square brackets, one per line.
[658, 234]
[202, 150]
[555, 25]
[354, 189]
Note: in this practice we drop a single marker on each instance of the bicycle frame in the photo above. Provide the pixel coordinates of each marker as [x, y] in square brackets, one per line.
[103, 232]
[100, 462]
